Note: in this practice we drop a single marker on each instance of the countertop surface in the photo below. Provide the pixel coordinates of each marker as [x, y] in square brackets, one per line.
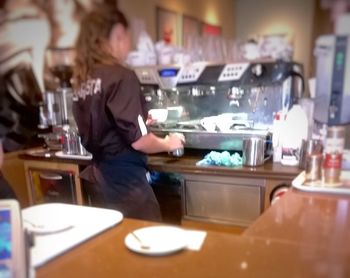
[187, 165]
[319, 220]
[301, 235]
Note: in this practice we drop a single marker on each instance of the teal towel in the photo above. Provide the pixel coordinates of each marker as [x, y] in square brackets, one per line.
[221, 159]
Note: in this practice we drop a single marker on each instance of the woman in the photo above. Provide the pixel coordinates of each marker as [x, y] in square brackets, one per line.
[110, 116]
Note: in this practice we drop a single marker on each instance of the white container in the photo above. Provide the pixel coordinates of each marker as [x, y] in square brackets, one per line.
[276, 137]
[295, 129]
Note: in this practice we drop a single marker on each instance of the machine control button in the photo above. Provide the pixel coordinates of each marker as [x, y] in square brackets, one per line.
[257, 70]
[332, 111]
[233, 72]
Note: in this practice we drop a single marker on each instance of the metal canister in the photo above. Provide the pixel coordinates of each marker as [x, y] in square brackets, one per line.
[313, 167]
[180, 151]
[309, 147]
[253, 151]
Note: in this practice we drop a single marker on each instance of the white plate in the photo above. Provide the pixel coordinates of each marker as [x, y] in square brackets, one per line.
[41, 228]
[159, 240]
[88, 222]
[49, 220]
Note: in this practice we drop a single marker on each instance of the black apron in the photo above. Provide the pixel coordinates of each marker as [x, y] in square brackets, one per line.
[122, 180]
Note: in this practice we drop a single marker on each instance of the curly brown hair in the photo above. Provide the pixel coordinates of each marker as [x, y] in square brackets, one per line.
[91, 43]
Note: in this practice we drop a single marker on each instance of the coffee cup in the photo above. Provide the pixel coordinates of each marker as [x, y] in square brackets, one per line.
[224, 122]
[209, 123]
[136, 59]
[158, 115]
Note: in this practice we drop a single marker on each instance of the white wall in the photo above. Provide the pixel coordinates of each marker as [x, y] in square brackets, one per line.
[259, 17]
[217, 12]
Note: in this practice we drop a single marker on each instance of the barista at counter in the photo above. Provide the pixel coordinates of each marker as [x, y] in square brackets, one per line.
[110, 116]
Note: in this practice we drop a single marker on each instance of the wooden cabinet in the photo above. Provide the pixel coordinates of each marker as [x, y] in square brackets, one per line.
[14, 174]
[219, 199]
[211, 195]
[221, 196]
[228, 204]
[61, 175]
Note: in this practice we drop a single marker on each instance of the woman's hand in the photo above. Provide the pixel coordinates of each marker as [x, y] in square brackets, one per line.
[175, 141]
[150, 120]
[151, 143]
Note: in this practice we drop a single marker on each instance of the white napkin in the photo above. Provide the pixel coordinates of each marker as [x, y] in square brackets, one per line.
[195, 239]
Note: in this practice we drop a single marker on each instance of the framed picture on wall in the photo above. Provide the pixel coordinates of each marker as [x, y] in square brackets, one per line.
[211, 30]
[191, 28]
[167, 26]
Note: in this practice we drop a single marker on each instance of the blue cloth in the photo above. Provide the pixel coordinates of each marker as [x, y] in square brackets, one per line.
[221, 159]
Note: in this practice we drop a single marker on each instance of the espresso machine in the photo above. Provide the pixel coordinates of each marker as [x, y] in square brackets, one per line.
[58, 103]
[241, 99]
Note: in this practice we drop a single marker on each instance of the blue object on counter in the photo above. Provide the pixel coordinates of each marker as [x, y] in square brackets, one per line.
[221, 159]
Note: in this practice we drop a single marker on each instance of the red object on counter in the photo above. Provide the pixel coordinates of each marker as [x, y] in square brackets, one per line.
[278, 192]
[332, 160]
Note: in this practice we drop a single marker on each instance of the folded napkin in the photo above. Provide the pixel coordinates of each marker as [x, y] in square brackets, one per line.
[195, 239]
[221, 159]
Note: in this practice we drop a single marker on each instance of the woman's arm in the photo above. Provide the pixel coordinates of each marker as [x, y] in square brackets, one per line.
[151, 143]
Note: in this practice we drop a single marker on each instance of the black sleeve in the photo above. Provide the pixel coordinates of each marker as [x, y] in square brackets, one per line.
[6, 117]
[6, 191]
[126, 106]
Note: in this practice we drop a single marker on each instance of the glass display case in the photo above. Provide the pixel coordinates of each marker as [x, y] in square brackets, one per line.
[50, 186]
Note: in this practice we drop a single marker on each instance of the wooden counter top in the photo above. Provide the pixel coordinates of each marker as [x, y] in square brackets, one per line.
[52, 158]
[302, 235]
[187, 165]
[321, 220]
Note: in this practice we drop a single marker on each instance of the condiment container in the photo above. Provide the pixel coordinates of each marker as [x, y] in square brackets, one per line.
[309, 147]
[333, 152]
[313, 166]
